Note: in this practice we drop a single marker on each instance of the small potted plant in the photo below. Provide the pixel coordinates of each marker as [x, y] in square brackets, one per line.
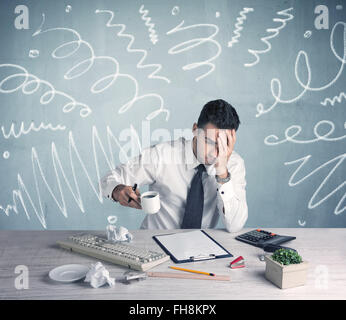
[286, 268]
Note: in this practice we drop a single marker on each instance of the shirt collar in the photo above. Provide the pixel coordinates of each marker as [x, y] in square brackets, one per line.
[192, 162]
[190, 158]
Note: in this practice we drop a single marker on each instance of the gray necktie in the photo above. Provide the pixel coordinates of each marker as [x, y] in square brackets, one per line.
[194, 202]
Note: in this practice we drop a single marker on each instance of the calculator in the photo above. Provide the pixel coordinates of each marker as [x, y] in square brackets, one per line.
[261, 238]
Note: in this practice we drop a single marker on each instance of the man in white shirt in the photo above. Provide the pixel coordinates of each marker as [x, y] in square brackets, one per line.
[198, 180]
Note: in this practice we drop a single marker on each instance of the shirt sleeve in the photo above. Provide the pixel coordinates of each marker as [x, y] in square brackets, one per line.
[231, 199]
[141, 170]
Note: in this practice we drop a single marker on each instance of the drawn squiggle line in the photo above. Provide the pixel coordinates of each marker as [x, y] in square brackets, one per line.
[59, 198]
[339, 160]
[273, 140]
[333, 100]
[275, 84]
[240, 20]
[129, 48]
[23, 131]
[275, 32]
[105, 82]
[31, 80]
[301, 223]
[151, 26]
[189, 44]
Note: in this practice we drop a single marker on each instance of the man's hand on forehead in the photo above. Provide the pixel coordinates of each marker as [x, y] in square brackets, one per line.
[211, 133]
[227, 135]
[226, 140]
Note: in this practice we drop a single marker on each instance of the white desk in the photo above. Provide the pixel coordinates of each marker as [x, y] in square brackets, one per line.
[323, 248]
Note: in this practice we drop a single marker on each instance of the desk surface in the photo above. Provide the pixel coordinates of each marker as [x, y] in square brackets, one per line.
[324, 249]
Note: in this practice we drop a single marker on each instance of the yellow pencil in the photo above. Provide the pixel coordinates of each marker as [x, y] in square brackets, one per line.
[194, 271]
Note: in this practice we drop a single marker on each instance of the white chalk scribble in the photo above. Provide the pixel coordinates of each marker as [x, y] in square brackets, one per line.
[338, 160]
[307, 34]
[31, 83]
[190, 44]
[69, 48]
[302, 58]
[239, 26]
[175, 11]
[71, 181]
[274, 33]
[31, 127]
[301, 223]
[151, 26]
[332, 101]
[129, 48]
[294, 130]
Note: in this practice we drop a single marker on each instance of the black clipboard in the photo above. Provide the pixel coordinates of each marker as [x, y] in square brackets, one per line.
[209, 256]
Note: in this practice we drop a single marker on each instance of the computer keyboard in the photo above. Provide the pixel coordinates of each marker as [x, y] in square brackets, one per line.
[262, 238]
[124, 254]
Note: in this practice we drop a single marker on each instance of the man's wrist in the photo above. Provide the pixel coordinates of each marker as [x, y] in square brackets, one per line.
[223, 178]
[221, 172]
[224, 175]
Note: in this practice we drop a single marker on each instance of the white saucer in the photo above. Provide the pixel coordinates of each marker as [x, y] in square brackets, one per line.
[69, 272]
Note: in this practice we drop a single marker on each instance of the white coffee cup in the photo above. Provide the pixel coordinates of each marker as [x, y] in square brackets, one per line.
[150, 202]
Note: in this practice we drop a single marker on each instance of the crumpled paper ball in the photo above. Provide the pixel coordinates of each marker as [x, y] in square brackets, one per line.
[98, 275]
[115, 234]
[124, 234]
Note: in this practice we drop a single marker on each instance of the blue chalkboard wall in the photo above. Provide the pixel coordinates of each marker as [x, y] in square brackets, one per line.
[82, 81]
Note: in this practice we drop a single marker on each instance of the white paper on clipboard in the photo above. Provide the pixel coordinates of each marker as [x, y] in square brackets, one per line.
[192, 244]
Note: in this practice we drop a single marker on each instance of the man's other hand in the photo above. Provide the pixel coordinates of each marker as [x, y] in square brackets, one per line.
[127, 197]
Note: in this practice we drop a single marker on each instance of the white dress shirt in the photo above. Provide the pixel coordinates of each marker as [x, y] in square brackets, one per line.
[168, 168]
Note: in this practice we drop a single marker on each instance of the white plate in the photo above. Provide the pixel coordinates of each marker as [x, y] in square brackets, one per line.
[69, 272]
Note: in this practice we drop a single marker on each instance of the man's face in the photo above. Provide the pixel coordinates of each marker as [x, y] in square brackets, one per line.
[206, 143]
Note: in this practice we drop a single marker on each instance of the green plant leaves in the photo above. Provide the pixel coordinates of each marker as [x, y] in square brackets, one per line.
[286, 256]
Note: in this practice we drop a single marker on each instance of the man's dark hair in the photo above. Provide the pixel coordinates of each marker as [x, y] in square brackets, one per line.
[220, 113]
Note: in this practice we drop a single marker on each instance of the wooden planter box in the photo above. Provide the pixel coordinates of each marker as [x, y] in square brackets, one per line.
[289, 276]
